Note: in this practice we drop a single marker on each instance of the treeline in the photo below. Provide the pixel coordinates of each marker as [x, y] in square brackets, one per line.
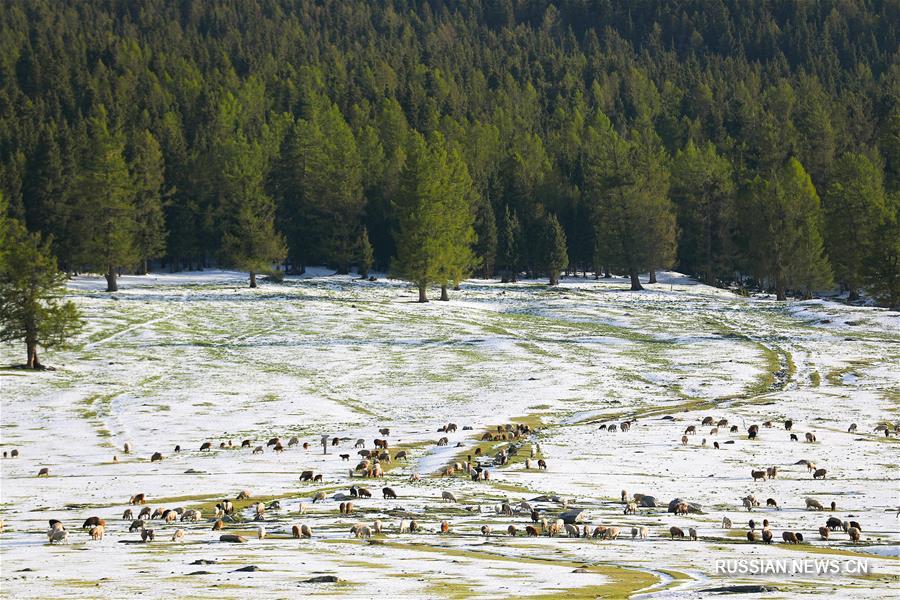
[750, 142]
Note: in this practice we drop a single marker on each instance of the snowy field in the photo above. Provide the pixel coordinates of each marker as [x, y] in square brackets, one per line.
[190, 358]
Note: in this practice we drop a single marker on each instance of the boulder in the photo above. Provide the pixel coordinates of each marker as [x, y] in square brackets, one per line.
[322, 579]
[692, 506]
[648, 502]
[570, 517]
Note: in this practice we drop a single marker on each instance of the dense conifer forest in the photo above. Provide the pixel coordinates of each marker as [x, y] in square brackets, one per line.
[749, 143]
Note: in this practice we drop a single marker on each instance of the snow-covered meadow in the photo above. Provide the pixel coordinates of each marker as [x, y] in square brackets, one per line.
[189, 358]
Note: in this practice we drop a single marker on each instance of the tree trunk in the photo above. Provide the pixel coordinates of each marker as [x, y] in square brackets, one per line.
[444, 296]
[504, 278]
[252, 280]
[422, 296]
[606, 273]
[554, 278]
[635, 281]
[779, 293]
[854, 295]
[33, 361]
[142, 270]
[111, 284]
[652, 276]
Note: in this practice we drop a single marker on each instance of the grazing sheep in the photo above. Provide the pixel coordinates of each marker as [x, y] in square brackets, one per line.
[445, 527]
[810, 437]
[716, 445]
[794, 437]
[833, 523]
[388, 493]
[92, 522]
[823, 533]
[244, 495]
[750, 502]
[305, 531]
[147, 535]
[145, 513]
[758, 475]
[320, 496]
[512, 531]
[156, 457]
[571, 530]
[788, 424]
[707, 421]
[258, 450]
[751, 536]
[848, 524]
[714, 431]
[767, 536]
[138, 499]
[852, 428]
[853, 532]
[273, 441]
[676, 532]
[810, 466]
[612, 533]
[192, 515]
[486, 530]
[819, 474]
[691, 430]
[682, 508]
[772, 472]
[58, 534]
[726, 523]
[684, 440]
[292, 442]
[170, 517]
[692, 533]
[542, 464]
[178, 536]
[218, 525]
[770, 502]
[128, 515]
[232, 538]
[599, 531]
[734, 429]
[97, 532]
[531, 531]
[722, 423]
[813, 504]
[789, 537]
[205, 446]
[631, 508]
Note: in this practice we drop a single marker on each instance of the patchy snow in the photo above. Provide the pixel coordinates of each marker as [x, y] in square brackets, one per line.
[180, 359]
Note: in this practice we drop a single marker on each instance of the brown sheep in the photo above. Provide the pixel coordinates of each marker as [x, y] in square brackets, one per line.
[684, 440]
[751, 536]
[92, 522]
[147, 535]
[692, 533]
[128, 515]
[819, 474]
[707, 421]
[295, 531]
[682, 508]
[631, 508]
[813, 504]
[853, 532]
[823, 533]
[512, 531]
[97, 532]
[772, 472]
[542, 464]
[758, 475]
[599, 531]
[789, 537]
[770, 502]
[44, 472]
[308, 475]
[218, 525]
[258, 450]
[531, 531]
[205, 446]
[381, 444]
[676, 532]
[445, 527]
[363, 492]
[388, 493]
[157, 456]
[691, 430]
[810, 437]
[767, 536]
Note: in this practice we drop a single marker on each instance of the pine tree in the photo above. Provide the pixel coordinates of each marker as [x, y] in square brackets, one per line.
[418, 219]
[147, 175]
[366, 254]
[250, 241]
[31, 290]
[854, 207]
[557, 256]
[508, 251]
[627, 188]
[104, 201]
[435, 231]
[881, 267]
[782, 218]
[703, 192]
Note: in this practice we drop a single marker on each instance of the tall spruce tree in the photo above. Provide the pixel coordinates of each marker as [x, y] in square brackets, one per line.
[147, 176]
[627, 188]
[702, 190]
[854, 206]
[104, 201]
[32, 309]
[782, 217]
[557, 255]
[881, 267]
[508, 246]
